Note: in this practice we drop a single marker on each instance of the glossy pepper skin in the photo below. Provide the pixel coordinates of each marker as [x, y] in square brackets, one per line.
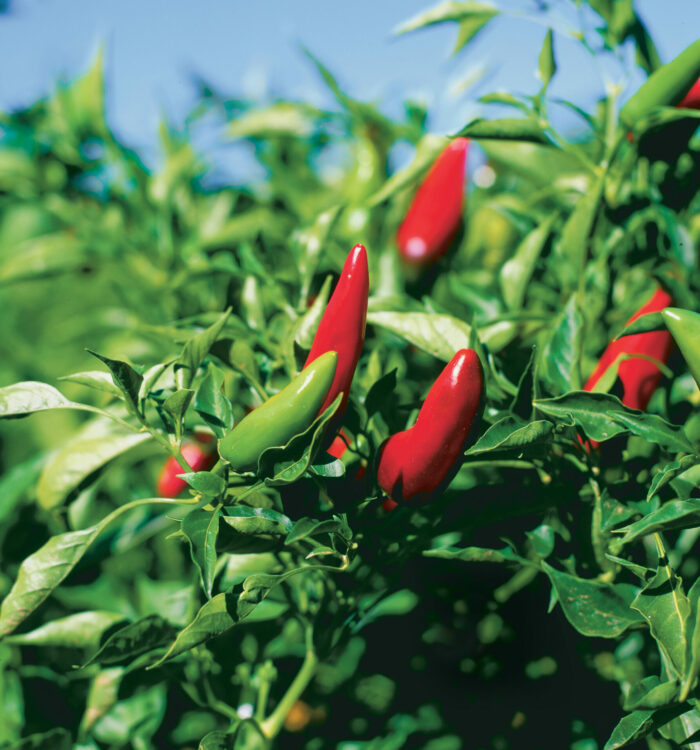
[666, 86]
[417, 463]
[685, 327]
[435, 214]
[342, 327]
[639, 377]
[199, 454]
[281, 417]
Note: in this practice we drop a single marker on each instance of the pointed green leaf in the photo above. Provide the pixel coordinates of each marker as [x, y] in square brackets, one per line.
[598, 610]
[510, 433]
[679, 514]
[134, 639]
[201, 529]
[602, 416]
[665, 607]
[125, 377]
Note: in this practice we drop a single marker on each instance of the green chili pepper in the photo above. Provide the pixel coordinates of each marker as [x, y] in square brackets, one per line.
[685, 327]
[279, 419]
[665, 87]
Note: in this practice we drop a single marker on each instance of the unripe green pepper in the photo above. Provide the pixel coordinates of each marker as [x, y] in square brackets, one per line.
[685, 328]
[279, 419]
[665, 87]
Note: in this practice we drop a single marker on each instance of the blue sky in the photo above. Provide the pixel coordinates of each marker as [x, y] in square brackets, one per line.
[252, 47]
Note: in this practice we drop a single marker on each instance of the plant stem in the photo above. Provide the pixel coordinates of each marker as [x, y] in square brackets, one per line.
[272, 725]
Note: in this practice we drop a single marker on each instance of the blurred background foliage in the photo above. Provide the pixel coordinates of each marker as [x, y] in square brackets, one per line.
[100, 251]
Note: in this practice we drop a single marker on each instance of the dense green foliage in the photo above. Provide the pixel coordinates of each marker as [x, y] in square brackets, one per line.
[141, 305]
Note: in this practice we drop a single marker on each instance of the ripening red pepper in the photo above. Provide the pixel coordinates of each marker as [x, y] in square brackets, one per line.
[342, 327]
[198, 453]
[639, 377]
[435, 214]
[418, 462]
[692, 99]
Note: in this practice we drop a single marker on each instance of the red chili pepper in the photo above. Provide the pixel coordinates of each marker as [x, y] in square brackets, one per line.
[419, 461]
[692, 99]
[435, 214]
[196, 455]
[639, 377]
[342, 327]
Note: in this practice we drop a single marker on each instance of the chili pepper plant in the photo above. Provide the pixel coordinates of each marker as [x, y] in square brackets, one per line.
[383, 457]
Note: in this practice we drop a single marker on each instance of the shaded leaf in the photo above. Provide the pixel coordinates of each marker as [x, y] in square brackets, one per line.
[679, 514]
[665, 607]
[602, 416]
[80, 630]
[134, 639]
[510, 433]
[595, 609]
[201, 529]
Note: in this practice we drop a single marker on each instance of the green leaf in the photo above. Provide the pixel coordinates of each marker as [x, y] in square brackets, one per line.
[426, 152]
[524, 130]
[212, 405]
[572, 251]
[252, 305]
[305, 528]
[287, 464]
[281, 119]
[521, 406]
[137, 716]
[439, 335]
[516, 273]
[679, 514]
[43, 571]
[380, 391]
[511, 433]
[31, 396]
[665, 607]
[134, 639]
[651, 693]
[598, 610]
[252, 521]
[124, 376]
[542, 540]
[308, 323]
[80, 630]
[55, 739]
[602, 416]
[639, 724]
[96, 379]
[692, 650]
[44, 256]
[15, 483]
[102, 695]
[471, 17]
[176, 405]
[546, 67]
[91, 448]
[206, 482]
[196, 349]
[398, 603]
[562, 353]
[669, 472]
[643, 324]
[224, 611]
[201, 529]
[214, 618]
[477, 554]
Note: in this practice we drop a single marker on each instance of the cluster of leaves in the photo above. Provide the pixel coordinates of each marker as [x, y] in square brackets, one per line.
[205, 619]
